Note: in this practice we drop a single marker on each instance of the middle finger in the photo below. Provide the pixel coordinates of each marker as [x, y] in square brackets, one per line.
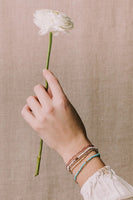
[42, 95]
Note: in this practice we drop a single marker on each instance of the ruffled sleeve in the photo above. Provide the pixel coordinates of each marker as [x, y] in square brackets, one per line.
[106, 185]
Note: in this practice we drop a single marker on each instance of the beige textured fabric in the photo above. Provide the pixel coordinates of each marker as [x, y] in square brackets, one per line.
[94, 64]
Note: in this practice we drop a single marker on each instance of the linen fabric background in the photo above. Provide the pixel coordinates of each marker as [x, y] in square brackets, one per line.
[94, 64]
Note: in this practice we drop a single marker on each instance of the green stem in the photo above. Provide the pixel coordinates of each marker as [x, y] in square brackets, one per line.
[46, 86]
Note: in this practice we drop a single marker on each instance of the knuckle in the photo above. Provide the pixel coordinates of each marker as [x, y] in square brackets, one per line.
[63, 102]
[50, 110]
[36, 126]
[42, 119]
[36, 87]
[29, 98]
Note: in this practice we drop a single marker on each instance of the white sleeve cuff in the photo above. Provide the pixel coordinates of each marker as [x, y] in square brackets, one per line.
[106, 185]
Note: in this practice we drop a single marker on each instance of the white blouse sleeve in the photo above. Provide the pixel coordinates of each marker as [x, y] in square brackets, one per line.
[106, 185]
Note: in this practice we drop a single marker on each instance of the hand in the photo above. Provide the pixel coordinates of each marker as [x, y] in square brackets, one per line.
[53, 117]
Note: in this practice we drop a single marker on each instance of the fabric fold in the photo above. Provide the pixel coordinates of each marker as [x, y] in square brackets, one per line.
[106, 185]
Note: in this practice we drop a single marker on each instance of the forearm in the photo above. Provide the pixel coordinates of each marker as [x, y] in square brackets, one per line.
[103, 182]
[90, 168]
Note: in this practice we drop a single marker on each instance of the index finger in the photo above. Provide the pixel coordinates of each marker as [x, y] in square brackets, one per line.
[54, 84]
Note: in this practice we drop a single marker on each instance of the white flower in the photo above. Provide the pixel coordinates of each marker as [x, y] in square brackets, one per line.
[52, 21]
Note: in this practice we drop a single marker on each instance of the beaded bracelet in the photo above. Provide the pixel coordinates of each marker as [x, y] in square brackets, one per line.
[78, 153]
[79, 156]
[79, 160]
[96, 155]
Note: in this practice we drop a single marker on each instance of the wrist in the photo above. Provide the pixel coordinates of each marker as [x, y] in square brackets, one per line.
[75, 146]
[92, 166]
